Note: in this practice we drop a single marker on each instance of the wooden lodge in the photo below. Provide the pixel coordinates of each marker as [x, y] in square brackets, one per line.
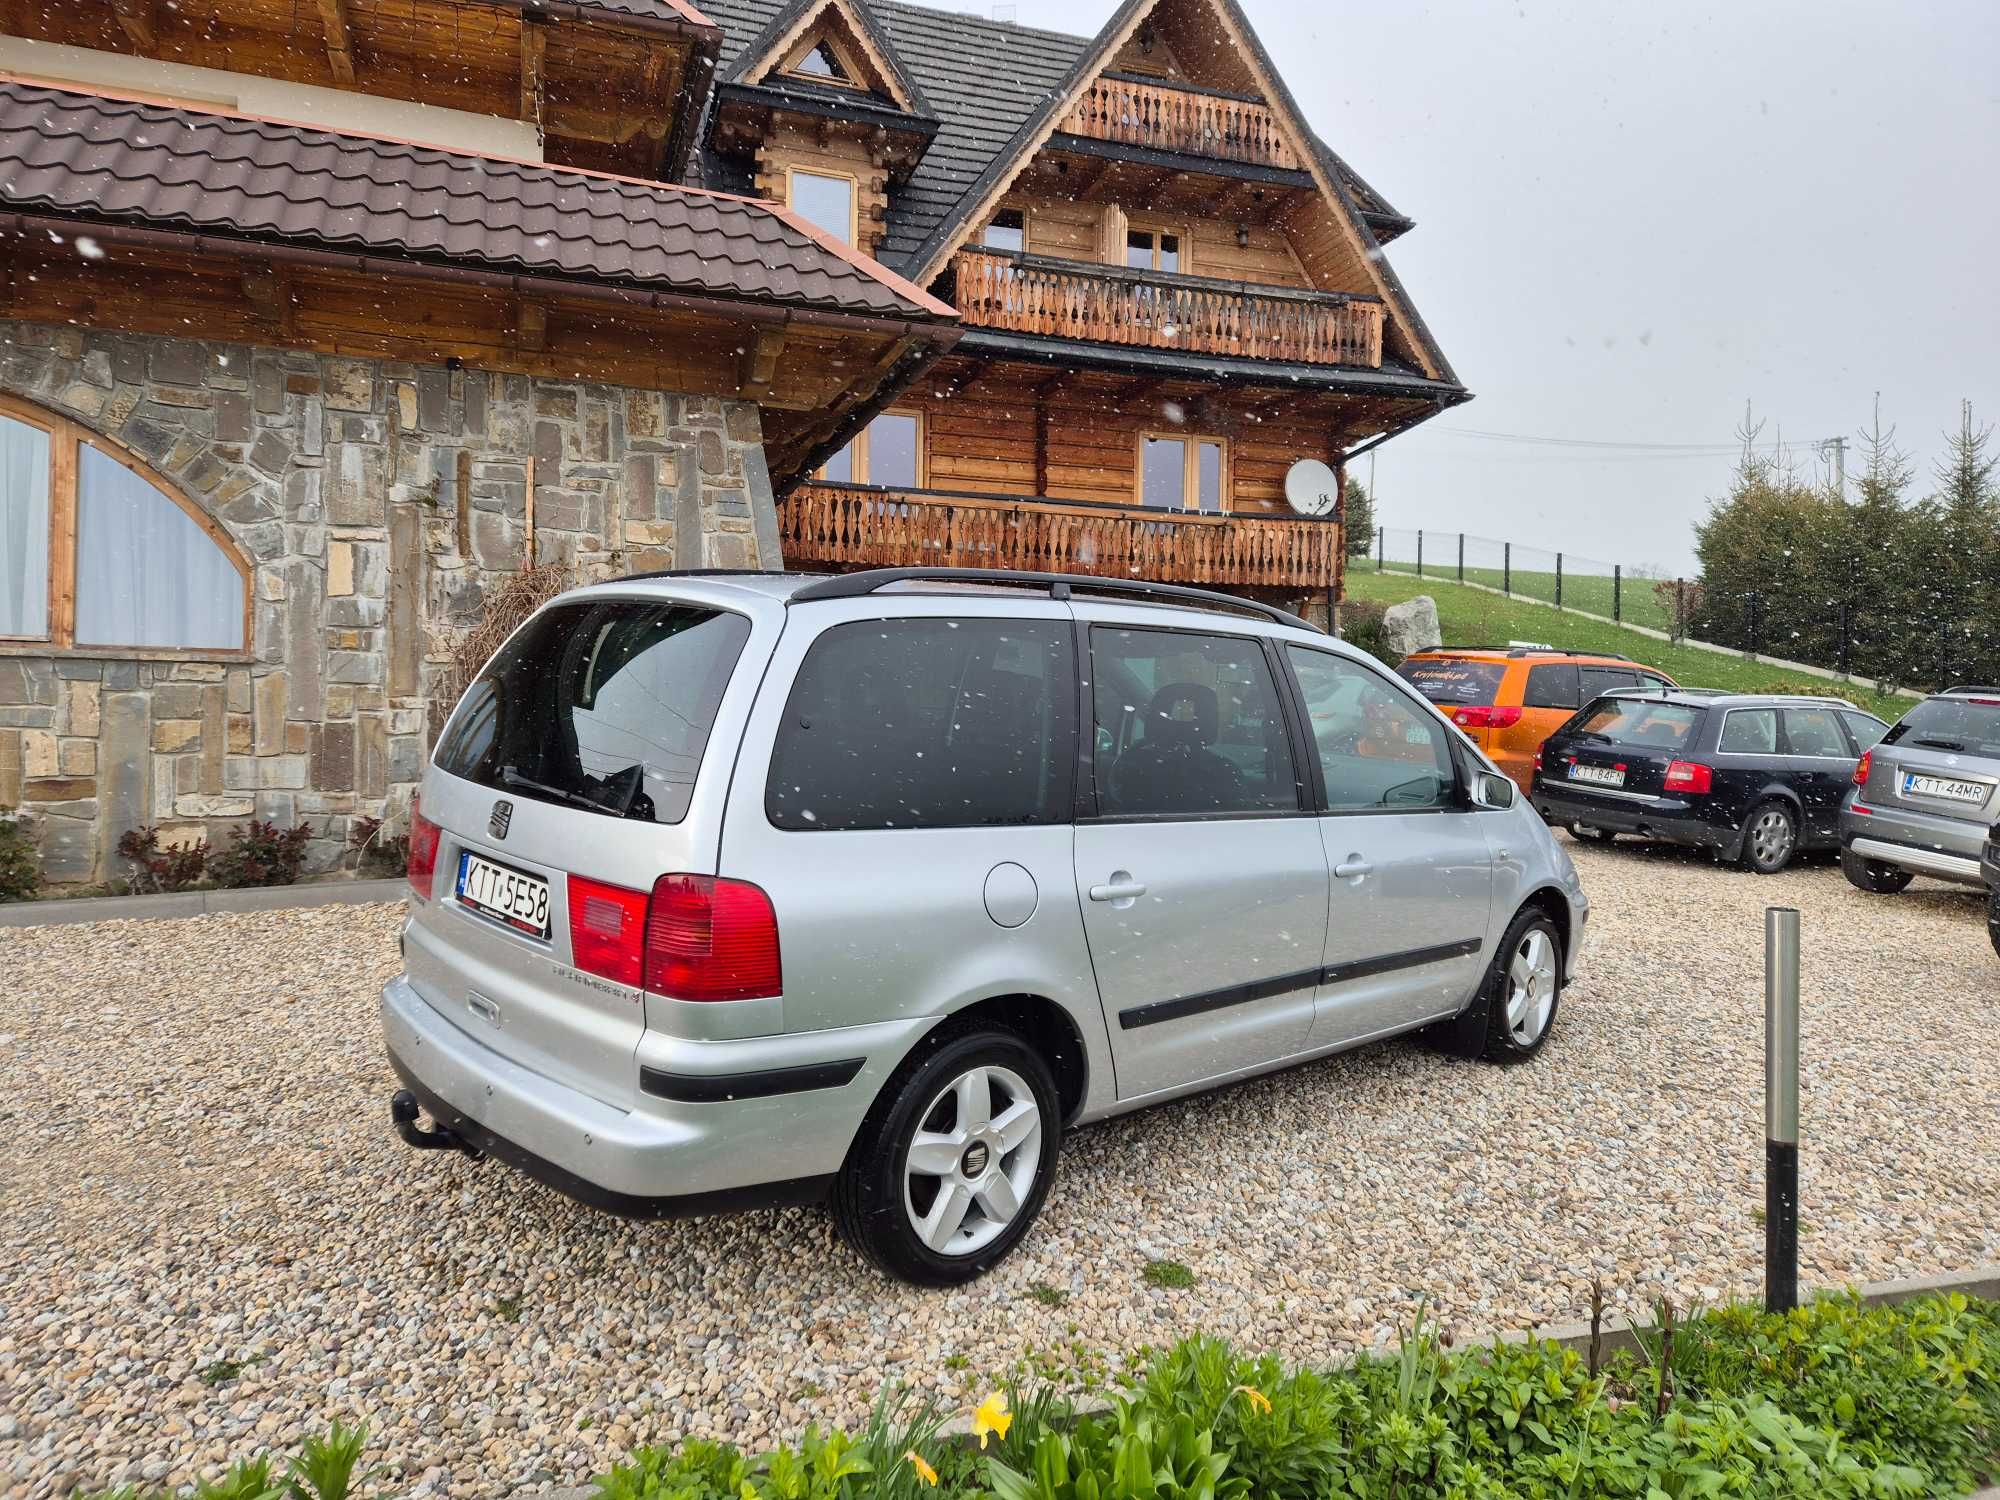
[1171, 289]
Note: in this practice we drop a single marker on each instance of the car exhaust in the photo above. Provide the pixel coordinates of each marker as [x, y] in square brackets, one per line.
[403, 1110]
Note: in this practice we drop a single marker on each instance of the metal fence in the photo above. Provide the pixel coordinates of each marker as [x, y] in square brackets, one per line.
[1921, 643]
[1568, 580]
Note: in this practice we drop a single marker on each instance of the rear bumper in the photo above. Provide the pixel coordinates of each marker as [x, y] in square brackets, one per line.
[702, 1151]
[1672, 819]
[1935, 862]
[1928, 844]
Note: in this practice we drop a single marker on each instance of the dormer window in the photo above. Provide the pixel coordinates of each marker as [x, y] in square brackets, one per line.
[820, 62]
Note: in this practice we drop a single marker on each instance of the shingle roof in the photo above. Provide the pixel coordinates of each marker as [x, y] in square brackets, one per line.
[983, 79]
[125, 161]
[786, 15]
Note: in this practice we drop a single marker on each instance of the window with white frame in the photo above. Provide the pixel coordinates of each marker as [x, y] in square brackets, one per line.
[826, 201]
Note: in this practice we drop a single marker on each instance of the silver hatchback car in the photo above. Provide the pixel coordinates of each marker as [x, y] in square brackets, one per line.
[736, 890]
[1925, 798]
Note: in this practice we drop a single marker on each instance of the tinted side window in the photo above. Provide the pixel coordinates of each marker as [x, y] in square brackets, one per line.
[927, 724]
[1552, 685]
[1867, 731]
[1187, 726]
[1814, 731]
[1749, 731]
[1598, 681]
[1377, 749]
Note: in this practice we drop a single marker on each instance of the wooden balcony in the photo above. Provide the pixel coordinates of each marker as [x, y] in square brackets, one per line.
[859, 526]
[1190, 122]
[1068, 299]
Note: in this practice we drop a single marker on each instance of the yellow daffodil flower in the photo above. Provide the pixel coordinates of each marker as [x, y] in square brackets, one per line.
[1254, 1396]
[991, 1415]
[924, 1471]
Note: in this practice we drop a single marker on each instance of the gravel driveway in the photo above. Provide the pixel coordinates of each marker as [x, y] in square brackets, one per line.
[209, 1239]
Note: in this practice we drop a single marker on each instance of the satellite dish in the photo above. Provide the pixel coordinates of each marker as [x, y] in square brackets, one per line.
[1311, 489]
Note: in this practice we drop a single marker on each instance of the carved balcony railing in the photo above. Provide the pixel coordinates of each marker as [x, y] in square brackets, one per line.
[1187, 121]
[1159, 310]
[859, 526]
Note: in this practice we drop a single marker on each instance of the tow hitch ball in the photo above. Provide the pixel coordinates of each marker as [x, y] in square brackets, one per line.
[403, 1110]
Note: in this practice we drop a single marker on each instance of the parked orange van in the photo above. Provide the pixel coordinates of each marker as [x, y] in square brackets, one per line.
[1511, 698]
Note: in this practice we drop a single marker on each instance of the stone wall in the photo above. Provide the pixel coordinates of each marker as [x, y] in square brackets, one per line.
[374, 501]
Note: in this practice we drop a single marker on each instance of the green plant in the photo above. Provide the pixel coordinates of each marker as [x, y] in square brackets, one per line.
[1047, 1295]
[20, 864]
[375, 848]
[1170, 1275]
[1362, 624]
[325, 1467]
[260, 853]
[174, 867]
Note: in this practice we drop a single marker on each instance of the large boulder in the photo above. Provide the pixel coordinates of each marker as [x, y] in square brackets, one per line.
[1411, 626]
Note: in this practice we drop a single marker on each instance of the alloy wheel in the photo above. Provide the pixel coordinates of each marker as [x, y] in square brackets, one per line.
[973, 1160]
[1771, 838]
[1531, 987]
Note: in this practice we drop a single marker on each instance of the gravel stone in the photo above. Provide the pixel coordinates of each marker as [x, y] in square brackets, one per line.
[211, 1241]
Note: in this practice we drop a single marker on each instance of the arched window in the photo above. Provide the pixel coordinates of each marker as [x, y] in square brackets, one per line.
[98, 551]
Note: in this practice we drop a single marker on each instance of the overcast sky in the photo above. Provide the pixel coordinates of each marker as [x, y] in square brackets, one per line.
[1634, 217]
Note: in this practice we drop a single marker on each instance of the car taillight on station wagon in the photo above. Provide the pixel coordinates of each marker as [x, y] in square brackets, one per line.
[1690, 776]
[696, 937]
[712, 939]
[1472, 716]
[422, 865]
[1861, 768]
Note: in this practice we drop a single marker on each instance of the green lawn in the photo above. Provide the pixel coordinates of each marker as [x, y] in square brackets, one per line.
[1631, 600]
[1473, 617]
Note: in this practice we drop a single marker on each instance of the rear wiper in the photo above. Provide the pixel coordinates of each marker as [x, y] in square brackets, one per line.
[513, 777]
[1958, 745]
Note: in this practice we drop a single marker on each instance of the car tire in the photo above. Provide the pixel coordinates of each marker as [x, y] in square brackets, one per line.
[984, 1094]
[1523, 988]
[1872, 876]
[1770, 838]
[1993, 917]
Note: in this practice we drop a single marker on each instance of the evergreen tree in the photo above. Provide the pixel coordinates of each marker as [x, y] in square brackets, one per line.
[1358, 512]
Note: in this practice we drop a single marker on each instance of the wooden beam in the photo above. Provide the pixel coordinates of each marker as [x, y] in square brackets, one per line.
[139, 19]
[531, 325]
[534, 49]
[1041, 443]
[268, 291]
[760, 362]
[339, 40]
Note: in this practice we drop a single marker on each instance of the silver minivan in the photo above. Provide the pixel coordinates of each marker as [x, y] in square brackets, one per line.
[737, 890]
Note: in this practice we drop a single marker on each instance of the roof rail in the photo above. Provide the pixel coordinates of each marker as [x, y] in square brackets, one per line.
[1968, 688]
[1059, 586]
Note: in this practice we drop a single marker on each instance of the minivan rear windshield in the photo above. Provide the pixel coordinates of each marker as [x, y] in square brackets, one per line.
[1634, 721]
[602, 705]
[1452, 679]
[1963, 726]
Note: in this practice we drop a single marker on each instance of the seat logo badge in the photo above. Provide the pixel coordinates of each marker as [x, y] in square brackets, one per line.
[975, 1160]
[503, 815]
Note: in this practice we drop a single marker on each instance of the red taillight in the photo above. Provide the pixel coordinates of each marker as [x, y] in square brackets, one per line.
[607, 930]
[1690, 776]
[422, 866]
[1474, 717]
[1861, 768]
[711, 939]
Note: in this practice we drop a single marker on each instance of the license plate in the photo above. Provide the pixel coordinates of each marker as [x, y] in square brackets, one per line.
[1944, 787]
[513, 898]
[1597, 775]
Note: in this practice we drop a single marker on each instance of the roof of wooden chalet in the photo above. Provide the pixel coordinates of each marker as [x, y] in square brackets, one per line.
[119, 161]
[985, 81]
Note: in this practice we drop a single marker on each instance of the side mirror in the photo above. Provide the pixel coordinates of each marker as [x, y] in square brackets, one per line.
[1492, 790]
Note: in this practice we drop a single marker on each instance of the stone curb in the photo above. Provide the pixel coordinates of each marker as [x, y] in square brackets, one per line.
[1619, 1334]
[198, 903]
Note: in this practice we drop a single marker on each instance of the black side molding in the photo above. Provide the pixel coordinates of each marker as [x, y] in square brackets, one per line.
[1236, 994]
[718, 1088]
[1388, 963]
[1153, 1013]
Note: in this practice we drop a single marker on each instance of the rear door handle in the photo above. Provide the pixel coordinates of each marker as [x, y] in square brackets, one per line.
[1353, 868]
[1118, 890]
